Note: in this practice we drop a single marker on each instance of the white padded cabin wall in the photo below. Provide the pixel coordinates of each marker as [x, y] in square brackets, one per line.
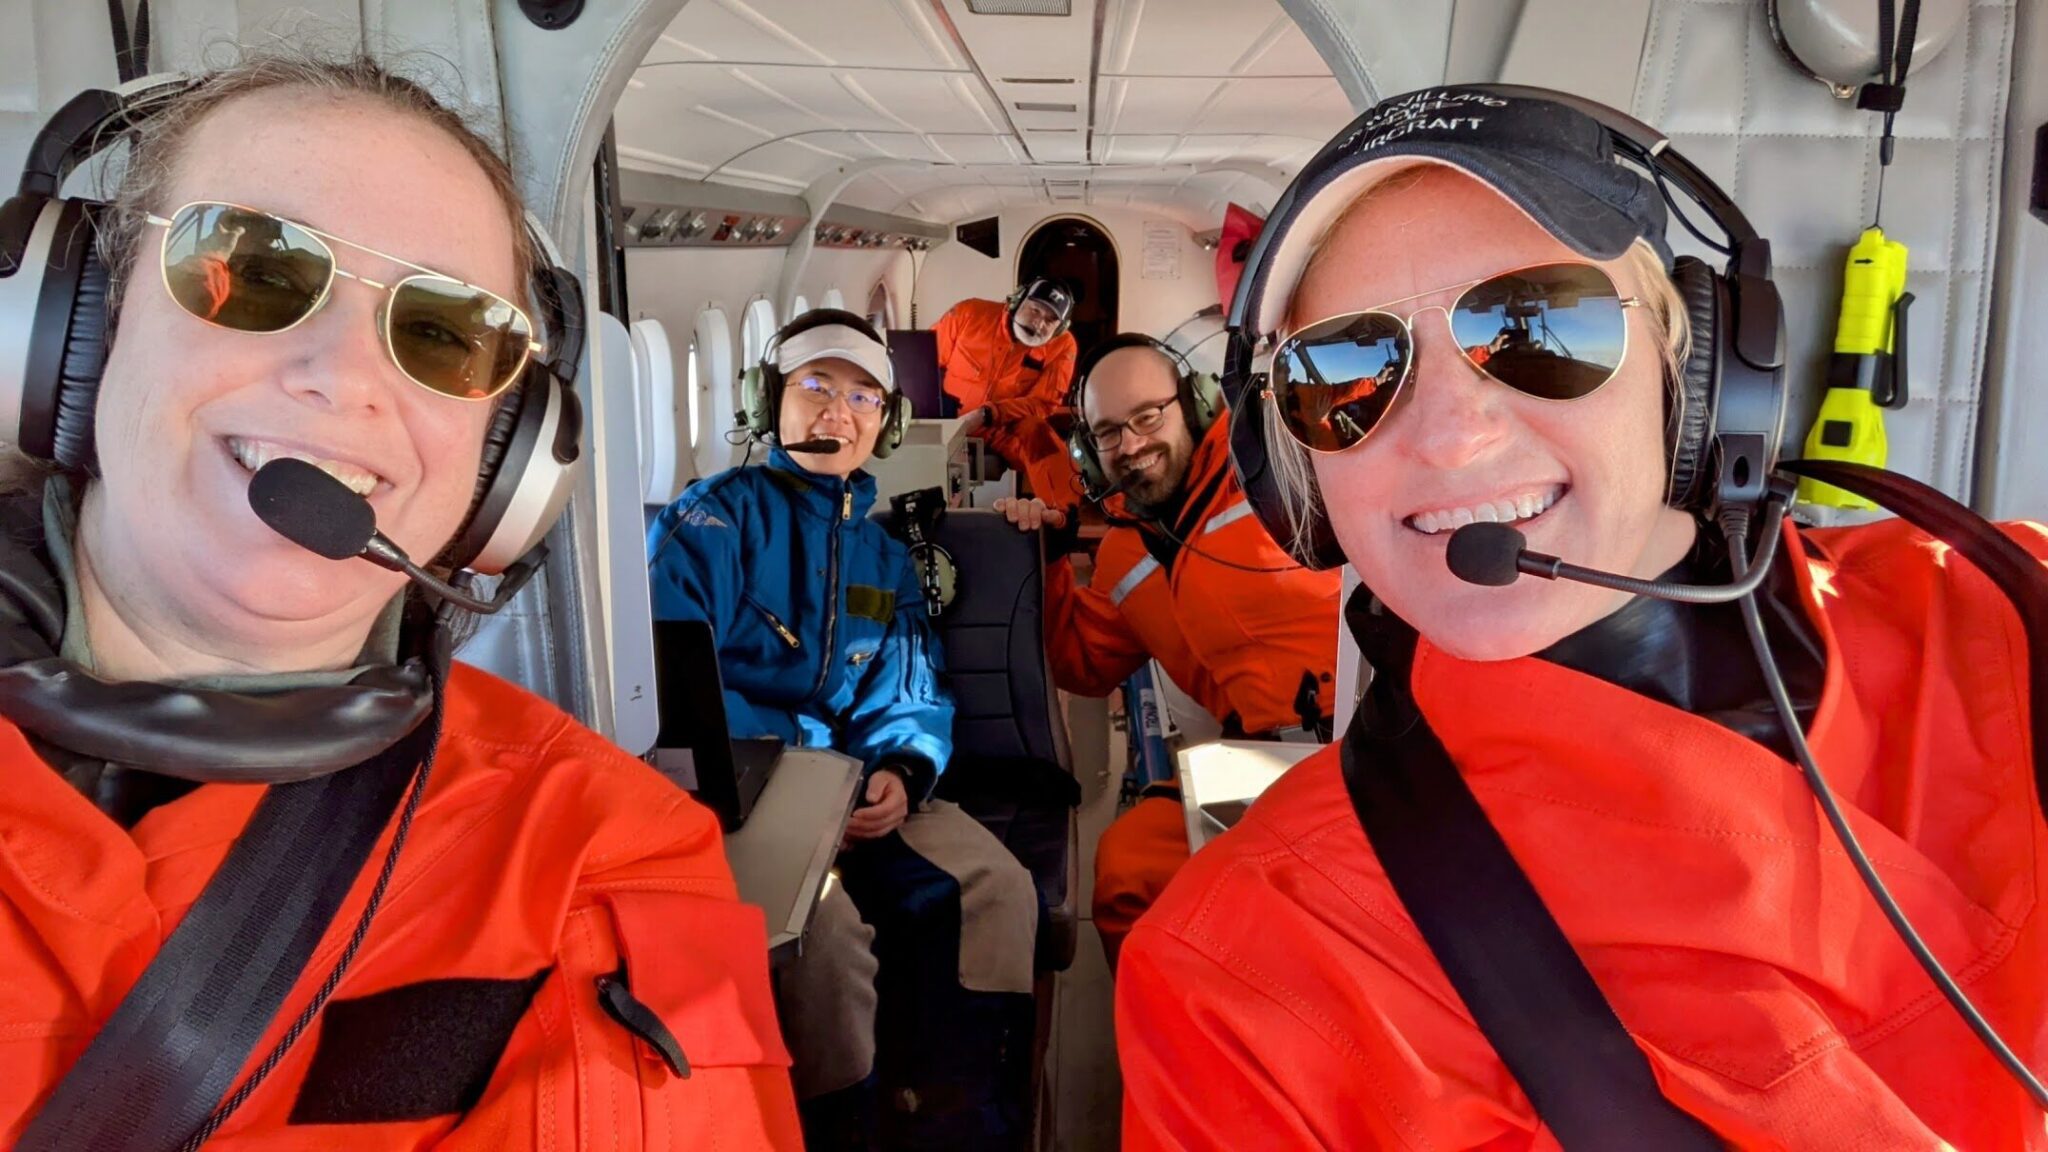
[1803, 167]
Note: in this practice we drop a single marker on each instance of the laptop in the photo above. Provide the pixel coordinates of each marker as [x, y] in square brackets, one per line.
[914, 358]
[696, 748]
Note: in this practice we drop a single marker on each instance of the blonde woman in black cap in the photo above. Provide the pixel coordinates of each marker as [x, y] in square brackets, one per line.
[1562, 883]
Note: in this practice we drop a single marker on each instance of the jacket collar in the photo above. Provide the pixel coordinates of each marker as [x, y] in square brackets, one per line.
[823, 496]
[1692, 658]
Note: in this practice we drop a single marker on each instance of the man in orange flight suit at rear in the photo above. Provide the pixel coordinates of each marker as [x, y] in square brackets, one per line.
[1185, 576]
[1008, 364]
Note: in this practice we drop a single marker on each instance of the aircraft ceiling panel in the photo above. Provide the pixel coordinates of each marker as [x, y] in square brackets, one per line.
[1290, 55]
[867, 32]
[1037, 46]
[1058, 147]
[1198, 37]
[1314, 107]
[928, 102]
[1133, 148]
[978, 148]
[1157, 105]
[1206, 149]
[782, 91]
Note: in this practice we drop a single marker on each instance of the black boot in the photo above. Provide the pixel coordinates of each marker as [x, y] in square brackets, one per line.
[842, 1121]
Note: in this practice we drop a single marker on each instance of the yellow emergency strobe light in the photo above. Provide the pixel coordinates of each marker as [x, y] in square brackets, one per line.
[1868, 372]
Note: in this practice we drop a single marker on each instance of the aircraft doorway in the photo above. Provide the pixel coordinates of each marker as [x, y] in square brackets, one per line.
[1078, 251]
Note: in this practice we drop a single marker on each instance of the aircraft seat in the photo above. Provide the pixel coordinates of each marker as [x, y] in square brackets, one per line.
[1011, 769]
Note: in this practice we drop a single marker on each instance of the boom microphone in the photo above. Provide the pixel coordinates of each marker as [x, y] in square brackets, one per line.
[1493, 555]
[308, 507]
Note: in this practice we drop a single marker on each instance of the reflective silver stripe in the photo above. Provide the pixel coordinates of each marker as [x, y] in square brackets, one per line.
[1230, 515]
[1132, 579]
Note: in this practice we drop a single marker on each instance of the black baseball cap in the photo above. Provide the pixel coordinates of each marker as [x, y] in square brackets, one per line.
[1051, 293]
[1553, 161]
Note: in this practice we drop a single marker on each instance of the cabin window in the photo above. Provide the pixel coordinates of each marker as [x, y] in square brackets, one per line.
[834, 298]
[710, 361]
[757, 328]
[798, 307]
[882, 307]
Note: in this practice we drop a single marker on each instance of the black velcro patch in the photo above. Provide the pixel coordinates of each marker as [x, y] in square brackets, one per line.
[878, 604]
[413, 1052]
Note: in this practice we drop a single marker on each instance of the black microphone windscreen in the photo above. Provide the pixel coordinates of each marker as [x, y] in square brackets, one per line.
[312, 509]
[1485, 553]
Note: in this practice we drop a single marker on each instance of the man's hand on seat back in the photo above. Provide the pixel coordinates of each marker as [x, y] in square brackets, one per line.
[887, 802]
[1032, 514]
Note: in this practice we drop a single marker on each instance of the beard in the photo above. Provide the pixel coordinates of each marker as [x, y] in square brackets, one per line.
[1154, 484]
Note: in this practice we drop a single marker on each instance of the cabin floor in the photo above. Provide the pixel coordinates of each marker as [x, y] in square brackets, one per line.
[1084, 1089]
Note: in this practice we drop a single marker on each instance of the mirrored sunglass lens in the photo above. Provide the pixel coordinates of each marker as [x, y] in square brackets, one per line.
[244, 270]
[1335, 380]
[457, 340]
[1555, 332]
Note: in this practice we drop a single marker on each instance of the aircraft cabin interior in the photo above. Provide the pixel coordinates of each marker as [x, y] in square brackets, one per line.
[1054, 673]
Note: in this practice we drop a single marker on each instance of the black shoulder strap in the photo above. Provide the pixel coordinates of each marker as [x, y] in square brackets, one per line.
[181, 1037]
[1508, 959]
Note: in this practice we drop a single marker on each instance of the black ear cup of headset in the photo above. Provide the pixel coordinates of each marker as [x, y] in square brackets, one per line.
[54, 325]
[1200, 395]
[1726, 413]
[760, 407]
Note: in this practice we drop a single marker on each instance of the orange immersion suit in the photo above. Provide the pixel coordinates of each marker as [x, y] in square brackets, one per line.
[1239, 642]
[541, 859]
[1279, 996]
[985, 365]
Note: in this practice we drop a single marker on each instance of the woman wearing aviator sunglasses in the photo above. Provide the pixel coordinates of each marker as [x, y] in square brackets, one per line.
[1467, 313]
[319, 261]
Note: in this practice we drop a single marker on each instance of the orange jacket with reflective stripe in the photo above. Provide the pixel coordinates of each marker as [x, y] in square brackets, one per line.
[540, 853]
[1236, 641]
[983, 364]
[1279, 996]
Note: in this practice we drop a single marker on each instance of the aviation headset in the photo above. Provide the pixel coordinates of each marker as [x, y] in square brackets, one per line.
[761, 386]
[1200, 395]
[54, 327]
[1727, 413]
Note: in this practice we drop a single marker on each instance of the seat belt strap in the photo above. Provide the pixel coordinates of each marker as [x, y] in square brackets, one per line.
[1505, 955]
[182, 1035]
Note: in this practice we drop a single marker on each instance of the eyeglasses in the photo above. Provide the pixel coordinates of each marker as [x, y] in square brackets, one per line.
[251, 271]
[1144, 422]
[864, 401]
[1551, 331]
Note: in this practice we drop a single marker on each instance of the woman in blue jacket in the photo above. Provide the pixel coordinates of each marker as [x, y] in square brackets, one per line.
[823, 641]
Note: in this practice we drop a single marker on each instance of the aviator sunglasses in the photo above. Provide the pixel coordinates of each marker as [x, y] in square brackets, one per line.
[1549, 331]
[251, 271]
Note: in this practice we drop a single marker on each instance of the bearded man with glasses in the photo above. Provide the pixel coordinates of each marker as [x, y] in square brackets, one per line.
[1185, 576]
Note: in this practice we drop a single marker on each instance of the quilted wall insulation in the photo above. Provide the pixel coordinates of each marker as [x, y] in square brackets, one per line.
[1803, 166]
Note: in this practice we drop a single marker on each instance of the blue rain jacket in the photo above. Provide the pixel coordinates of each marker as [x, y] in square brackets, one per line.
[822, 634]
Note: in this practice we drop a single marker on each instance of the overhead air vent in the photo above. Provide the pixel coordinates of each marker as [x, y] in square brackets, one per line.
[1021, 7]
[1038, 80]
[1041, 106]
[1066, 189]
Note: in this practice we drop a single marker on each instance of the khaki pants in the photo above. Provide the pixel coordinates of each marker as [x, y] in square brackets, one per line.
[826, 997]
